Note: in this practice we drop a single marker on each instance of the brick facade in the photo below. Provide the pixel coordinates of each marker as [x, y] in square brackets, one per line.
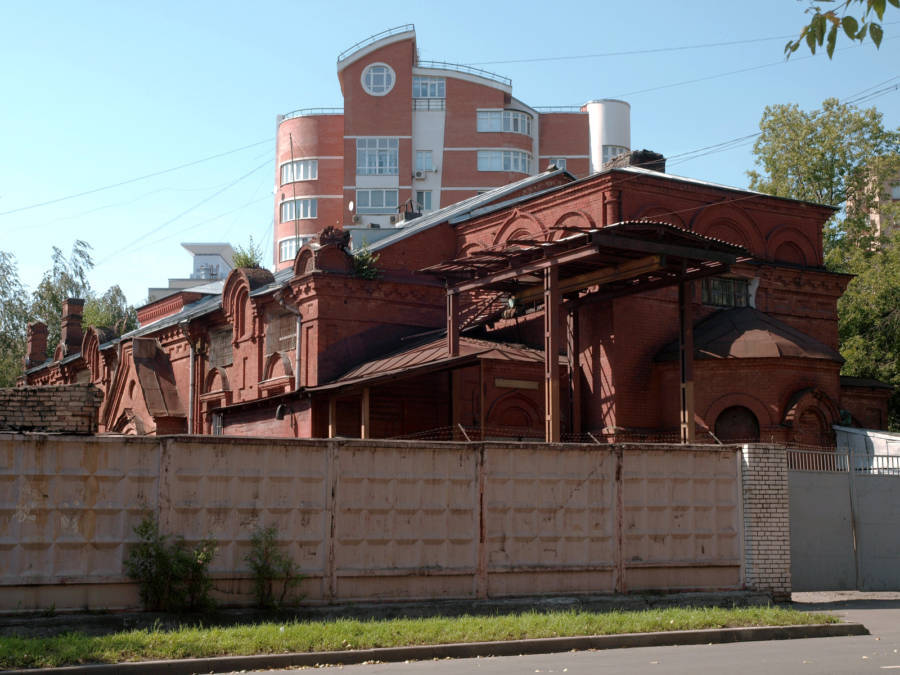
[766, 520]
[64, 408]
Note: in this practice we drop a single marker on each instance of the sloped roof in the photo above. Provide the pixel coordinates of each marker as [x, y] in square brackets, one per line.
[429, 354]
[467, 206]
[157, 379]
[847, 381]
[747, 333]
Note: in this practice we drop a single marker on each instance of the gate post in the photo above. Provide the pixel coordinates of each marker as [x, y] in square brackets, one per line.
[767, 526]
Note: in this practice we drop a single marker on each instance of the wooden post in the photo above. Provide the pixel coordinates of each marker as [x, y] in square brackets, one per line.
[686, 358]
[452, 323]
[551, 354]
[574, 358]
[365, 425]
[332, 417]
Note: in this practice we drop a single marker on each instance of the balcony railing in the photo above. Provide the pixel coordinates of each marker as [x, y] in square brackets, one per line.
[375, 38]
[471, 70]
[307, 112]
[429, 104]
[559, 109]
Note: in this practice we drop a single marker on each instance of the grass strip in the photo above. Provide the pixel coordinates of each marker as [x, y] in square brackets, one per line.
[276, 638]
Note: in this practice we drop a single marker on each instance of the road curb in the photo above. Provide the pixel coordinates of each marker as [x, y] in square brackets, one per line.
[222, 664]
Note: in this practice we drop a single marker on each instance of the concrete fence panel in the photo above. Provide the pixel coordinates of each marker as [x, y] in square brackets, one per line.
[387, 519]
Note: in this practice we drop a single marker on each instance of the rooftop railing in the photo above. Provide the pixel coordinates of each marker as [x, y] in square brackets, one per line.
[559, 109]
[471, 70]
[375, 38]
[306, 112]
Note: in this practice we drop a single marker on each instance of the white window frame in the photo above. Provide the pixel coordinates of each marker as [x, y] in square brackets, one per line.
[365, 197]
[428, 87]
[506, 121]
[377, 156]
[424, 160]
[378, 79]
[288, 247]
[423, 201]
[560, 162]
[610, 152]
[517, 161]
[301, 208]
[299, 170]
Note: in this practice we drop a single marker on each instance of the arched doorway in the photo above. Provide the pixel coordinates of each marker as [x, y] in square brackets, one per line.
[811, 429]
[737, 424]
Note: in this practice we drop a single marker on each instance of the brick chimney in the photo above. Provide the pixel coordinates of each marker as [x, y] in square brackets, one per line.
[70, 336]
[36, 350]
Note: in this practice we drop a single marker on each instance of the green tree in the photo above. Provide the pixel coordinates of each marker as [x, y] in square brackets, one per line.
[869, 318]
[854, 18]
[13, 317]
[66, 278]
[839, 155]
[843, 156]
[248, 256]
[110, 310]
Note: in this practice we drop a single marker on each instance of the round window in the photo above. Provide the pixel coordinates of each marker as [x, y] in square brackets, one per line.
[378, 79]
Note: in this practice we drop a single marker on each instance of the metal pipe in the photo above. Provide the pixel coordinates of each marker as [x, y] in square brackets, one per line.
[183, 325]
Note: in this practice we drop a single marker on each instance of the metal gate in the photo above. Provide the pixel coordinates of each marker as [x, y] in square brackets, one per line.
[845, 520]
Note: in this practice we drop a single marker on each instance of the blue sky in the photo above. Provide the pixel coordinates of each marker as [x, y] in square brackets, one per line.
[97, 93]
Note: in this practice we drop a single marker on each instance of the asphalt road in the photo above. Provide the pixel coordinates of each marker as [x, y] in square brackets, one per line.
[875, 653]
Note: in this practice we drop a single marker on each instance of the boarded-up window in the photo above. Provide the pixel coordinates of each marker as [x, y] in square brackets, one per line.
[220, 350]
[281, 332]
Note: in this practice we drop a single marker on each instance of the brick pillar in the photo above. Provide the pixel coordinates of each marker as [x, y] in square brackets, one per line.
[70, 336]
[767, 529]
[36, 351]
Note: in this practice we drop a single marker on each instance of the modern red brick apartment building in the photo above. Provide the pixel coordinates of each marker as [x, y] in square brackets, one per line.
[414, 136]
[627, 304]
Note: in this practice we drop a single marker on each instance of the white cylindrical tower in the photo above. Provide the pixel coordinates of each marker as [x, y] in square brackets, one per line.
[609, 125]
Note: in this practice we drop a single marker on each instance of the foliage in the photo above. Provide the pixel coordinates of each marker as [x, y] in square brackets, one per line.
[269, 565]
[852, 17]
[13, 319]
[339, 634]
[869, 318]
[248, 256]
[171, 576]
[110, 310]
[365, 263]
[839, 155]
[66, 278]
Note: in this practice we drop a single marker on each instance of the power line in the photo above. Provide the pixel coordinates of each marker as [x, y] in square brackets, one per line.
[183, 213]
[633, 52]
[132, 180]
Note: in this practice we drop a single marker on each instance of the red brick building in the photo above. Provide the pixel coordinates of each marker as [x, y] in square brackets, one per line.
[414, 136]
[627, 304]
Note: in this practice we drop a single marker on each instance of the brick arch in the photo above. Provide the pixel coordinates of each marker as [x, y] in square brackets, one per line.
[735, 399]
[236, 303]
[90, 353]
[277, 365]
[737, 424]
[304, 261]
[792, 243]
[514, 410]
[810, 397]
[520, 221]
[575, 219]
[216, 380]
[726, 219]
[660, 214]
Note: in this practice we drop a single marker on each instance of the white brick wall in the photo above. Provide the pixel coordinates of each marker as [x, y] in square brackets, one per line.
[767, 530]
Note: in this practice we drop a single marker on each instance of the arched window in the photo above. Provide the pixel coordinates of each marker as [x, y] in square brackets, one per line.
[737, 424]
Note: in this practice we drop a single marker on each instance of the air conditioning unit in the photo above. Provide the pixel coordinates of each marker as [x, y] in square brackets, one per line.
[393, 219]
[355, 218]
[419, 175]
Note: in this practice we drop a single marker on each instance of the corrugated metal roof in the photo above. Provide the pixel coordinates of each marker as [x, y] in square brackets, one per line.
[747, 333]
[430, 354]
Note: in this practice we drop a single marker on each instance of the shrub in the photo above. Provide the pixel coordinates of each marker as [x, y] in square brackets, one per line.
[171, 576]
[270, 565]
[365, 263]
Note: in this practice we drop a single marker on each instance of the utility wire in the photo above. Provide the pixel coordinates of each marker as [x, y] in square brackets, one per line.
[131, 244]
[132, 180]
